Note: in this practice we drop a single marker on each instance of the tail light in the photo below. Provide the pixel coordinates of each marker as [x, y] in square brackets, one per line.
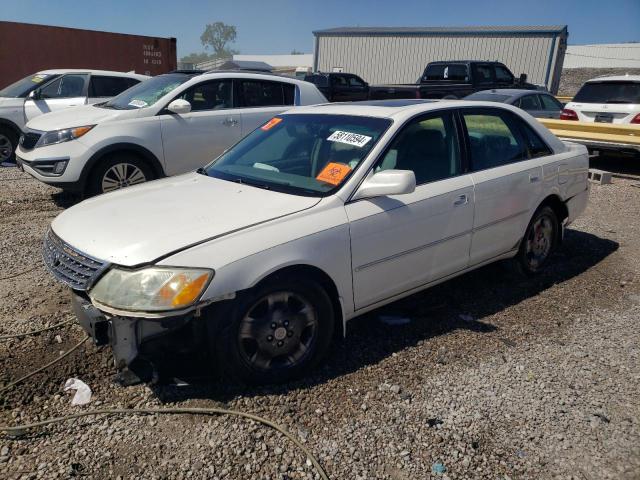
[568, 114]
[636, 119]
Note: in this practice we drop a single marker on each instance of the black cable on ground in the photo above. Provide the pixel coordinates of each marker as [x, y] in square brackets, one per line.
[34, 332]
[9, 277]
[44, 367]
[20, 429]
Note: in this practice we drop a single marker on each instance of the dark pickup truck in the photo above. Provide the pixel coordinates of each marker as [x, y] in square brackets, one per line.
[340, 87]
[453, 79]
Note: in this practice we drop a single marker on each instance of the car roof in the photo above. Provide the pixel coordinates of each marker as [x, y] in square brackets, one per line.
[391, 108]
[615, 78]
[60, 71]
[512, 92]
[246, 74]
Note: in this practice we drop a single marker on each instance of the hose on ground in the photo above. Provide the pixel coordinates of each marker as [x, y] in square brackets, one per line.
[9, 277]
[20, 429]
[34, 332]
[44, 367]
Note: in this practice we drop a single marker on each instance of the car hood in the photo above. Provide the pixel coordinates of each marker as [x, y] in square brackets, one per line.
[77, 117]
[140, 224]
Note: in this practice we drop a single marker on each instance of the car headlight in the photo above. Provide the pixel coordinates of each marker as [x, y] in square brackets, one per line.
[151, 289]
[64, 135]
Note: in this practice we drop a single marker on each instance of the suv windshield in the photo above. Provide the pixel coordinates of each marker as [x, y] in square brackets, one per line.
[302, 154]
[24, 87]
[609, 92]
[147, 93]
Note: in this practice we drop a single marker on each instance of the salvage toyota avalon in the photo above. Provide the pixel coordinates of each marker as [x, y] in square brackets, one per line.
[318, 216]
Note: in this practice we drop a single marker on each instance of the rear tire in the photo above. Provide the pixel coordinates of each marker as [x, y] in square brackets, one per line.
[273, 333]
[539, 241]
[8, 145]
[118, 170]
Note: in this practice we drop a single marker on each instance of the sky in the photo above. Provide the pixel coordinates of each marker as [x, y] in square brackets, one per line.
[280, 26]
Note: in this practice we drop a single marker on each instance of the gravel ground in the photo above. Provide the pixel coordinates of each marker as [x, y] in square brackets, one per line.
[495, 377]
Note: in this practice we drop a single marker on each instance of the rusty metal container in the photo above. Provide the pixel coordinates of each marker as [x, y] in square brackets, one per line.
[27, 48]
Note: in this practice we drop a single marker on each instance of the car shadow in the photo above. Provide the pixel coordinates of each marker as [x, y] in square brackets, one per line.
[64, 199]
[459, 304]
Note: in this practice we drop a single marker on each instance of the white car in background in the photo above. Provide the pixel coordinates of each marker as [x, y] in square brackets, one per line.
[318, 216]
[613, 99]
[52, 90]
[170, 124]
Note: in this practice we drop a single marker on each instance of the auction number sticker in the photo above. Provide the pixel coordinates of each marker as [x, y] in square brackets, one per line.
[333, 173]
[349, 138]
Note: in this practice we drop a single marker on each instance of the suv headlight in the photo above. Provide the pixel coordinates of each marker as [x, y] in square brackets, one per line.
[64, 135]
[151, 289]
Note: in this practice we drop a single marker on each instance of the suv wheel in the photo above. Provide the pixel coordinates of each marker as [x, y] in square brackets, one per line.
[275, 332]
[539, 241]
[8, 145]
[118, 171]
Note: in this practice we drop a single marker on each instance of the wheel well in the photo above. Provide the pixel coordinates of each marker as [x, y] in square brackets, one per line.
[11, 126]
[558, 206]
[309, 271]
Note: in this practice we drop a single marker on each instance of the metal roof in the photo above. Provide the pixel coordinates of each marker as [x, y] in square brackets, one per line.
[477, 30]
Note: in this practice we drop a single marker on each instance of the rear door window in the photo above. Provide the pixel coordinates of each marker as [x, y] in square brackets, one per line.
[530, 102]
[453, 72]
[258, 93]
[100, 86]
[622, 92]
[494, 139]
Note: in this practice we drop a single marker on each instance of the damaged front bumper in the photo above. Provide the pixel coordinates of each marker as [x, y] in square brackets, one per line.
[128, 337]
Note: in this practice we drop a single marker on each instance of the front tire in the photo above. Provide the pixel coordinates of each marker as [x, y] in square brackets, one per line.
[8, 145]
[119, 170]
[275, 332]
[539, 242]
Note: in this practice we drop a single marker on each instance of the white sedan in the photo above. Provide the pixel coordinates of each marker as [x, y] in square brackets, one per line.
[318, 216]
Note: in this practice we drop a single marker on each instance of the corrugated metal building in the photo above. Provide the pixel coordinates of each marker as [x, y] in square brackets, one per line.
[399, 55]
[606, 55]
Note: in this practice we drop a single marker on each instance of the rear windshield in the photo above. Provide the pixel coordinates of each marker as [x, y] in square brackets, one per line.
[487, 97]
[24, 87]
[319, 80]
[609, 92]
[457, 73]
[147, 93]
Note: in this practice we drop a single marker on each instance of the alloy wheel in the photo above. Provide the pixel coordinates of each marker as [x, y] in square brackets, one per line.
[278, 331]
[539, 241]
[122, 175]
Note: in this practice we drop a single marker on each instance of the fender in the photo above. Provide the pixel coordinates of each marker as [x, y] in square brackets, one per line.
[153, 161]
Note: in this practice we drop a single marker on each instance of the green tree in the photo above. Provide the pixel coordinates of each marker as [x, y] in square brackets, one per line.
[196, 58]
[218, 36]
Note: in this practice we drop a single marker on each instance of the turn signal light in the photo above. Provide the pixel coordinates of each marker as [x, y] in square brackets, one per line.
[568, 114]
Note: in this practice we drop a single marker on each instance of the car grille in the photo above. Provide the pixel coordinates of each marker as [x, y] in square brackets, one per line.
[28, 140]
[71, 267]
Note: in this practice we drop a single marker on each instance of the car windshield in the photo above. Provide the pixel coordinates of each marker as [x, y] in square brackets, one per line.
[302, 154]
[24, 87]
[147, 93]
[609, 92]
[487, 97]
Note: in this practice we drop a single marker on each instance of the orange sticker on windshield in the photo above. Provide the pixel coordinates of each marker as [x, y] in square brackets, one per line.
[334, 173]
[271, 123]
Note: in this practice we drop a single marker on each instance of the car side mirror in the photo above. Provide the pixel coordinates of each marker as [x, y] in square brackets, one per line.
[179, 106]
[523, 78]
[35, 94]
[387, 182]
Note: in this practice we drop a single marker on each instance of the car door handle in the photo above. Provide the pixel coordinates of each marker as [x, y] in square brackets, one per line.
[230, 122]
[534, 178]
[461, 200]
